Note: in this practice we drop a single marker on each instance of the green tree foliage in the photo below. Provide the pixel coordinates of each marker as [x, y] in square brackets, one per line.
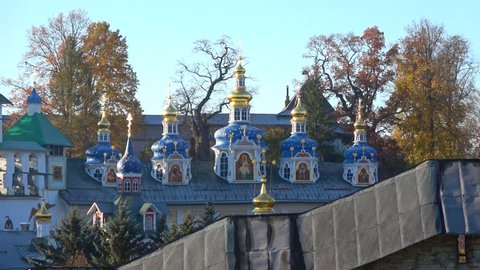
[121, 241]
[434, 94]
[202, 86]
[76, 62]
[209, 214]
[70, 243]
[273, 138]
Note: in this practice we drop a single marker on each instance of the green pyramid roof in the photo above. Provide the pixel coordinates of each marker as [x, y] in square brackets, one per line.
[36, 128]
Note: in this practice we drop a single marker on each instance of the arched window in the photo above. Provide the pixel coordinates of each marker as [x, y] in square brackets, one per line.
[135, 185]
[148, 222]
[223, 165]
[349, 175]
[97, 174]
[286, 172]
[127, 185]
[159, 173]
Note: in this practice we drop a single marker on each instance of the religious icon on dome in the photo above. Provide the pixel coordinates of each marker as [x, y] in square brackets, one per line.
[111, 176]
[244, 167]
[175, 175]
[302, 173]
[363, 176]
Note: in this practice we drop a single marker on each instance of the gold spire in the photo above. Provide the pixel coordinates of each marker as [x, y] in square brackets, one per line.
[240, 96]
[360, 122]
[129, 119]
[42, 214]
[263, 203]
[104, 124]
[169, 113]
[299, 112]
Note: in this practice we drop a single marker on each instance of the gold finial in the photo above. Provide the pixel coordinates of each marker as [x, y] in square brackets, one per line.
[302, 141]
[104, 124]
[42, 214]
[263, 203]
[175, 145]
[360, 122]
[244, 130]
[129, 119]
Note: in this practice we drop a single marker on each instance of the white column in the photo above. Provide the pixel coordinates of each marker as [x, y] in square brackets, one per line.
[9, 173]
[41, 168]
[25, 170]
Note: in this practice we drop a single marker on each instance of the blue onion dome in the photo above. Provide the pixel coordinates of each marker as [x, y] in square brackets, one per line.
[129, 163]
[96, 154]
[358, 151]
[169, 145]
[34, 97]
[298, 143]
[230, 134]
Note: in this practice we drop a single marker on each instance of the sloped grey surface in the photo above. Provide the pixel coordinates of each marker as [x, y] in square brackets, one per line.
[434, 198]
[374, 222]
[14, 245]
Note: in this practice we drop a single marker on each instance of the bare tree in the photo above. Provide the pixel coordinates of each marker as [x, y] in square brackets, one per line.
[201, 85]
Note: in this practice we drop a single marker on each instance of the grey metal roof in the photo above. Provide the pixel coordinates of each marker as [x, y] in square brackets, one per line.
[436, 197]
[205, 186]
[14, 246]
[22, 146]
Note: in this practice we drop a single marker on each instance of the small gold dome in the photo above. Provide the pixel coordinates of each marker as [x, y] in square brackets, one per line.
[263, 203]
[169, 113]
[240, 96]
[103, 124]
[299, 112]
[42, 214]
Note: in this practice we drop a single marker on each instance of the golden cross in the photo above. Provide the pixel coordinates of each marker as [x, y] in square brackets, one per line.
[129, 119]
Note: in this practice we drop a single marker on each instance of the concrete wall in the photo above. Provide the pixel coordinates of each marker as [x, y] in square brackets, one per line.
[438, 252]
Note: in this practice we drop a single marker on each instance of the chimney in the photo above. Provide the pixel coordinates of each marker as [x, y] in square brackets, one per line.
[287, 98]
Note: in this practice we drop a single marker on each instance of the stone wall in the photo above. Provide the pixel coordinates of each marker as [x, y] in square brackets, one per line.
[439, 252]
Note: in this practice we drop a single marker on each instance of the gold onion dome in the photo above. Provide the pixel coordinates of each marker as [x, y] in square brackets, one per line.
[263, 203]
[360, 122]
[240, 96]
[42, 214]
[104, 123]
[169, 113]
[299, 112]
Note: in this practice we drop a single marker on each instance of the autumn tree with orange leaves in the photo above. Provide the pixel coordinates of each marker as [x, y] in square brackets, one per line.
[76, 62]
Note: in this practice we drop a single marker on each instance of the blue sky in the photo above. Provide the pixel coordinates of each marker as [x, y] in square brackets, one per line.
[272, 34]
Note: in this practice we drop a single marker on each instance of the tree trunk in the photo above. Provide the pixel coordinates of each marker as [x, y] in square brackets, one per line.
[201, 135]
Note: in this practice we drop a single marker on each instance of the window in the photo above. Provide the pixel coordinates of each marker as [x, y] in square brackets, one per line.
[159, 173]
[298, 128]
[97, 174]
[237, 115]
[241, 83]
[56, 150]
[127, 185]
[135, 185]
[244, 115]
[286, 172]
[223, 165]
[148, 222]
[349, 175]
[172, 128]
